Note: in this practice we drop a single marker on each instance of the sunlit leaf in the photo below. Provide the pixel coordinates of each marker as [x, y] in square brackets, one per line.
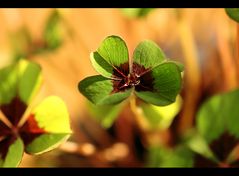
[30, 80]
[48, 126]
[233, 13]
[166, 84]
[8, 79]
[161, 116]
[99, 90]
[22, 79]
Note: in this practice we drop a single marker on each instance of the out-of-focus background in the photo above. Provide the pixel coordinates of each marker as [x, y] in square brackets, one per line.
[204, 40]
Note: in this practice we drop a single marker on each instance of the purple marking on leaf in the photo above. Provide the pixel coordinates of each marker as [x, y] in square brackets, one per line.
[139, 70]
[223, 146]
[14, 110]
[30, 130]
[146, 82]
[140, 78]
[5, 144]
[200, 161]
[122, 71]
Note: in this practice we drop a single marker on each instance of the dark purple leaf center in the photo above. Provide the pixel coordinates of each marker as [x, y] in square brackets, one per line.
[28, 132]
[221, 147]
[140, 78]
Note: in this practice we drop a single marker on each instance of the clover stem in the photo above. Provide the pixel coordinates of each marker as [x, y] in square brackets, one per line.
[5, 120]
[138, 113]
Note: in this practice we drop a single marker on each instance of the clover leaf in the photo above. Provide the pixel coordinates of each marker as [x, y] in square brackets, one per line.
[36, 130]
[151, 76]
[217, 123]
[233, 13]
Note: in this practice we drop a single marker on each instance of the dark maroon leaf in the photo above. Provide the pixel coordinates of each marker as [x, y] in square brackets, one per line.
[30, 130]
[14, 110]
[146, 83]
[139, 77]
[122, 71]
[139, 70]
[5, 144]
[200, 161]
[4, 130]
[223, 146]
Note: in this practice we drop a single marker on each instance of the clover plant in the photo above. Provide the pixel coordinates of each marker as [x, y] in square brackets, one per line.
[150, 76]
[23, 126]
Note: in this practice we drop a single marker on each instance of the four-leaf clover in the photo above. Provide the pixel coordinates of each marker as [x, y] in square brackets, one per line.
[150, 76]
[24, 127]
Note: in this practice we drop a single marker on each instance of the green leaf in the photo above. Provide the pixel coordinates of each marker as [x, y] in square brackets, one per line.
[210, 118]
[218, 115]
[14, 153]
[148, 54]
[51, 116]
[166, 85]
[233, 13]
[180, 65]
[114, 51]
[161, 116]
[180, 156]
[106, 114]
[53, 31]
[45, 143]
[30, 80]
[8, 80]
[100, 65]
[23, 79]
[98, 90]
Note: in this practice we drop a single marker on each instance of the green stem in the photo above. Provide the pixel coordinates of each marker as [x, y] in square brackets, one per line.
[138, 114]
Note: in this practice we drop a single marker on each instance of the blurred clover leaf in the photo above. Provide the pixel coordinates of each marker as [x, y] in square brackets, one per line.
[217, 123]
[24, 45]
[233, 13]
[105, 114]
[151, 76]
[160, 117]
[161, 156]
[53, 31]
[33, 129]
[136, 12]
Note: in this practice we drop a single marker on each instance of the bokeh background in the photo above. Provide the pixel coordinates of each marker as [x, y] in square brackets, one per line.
[204, 40]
